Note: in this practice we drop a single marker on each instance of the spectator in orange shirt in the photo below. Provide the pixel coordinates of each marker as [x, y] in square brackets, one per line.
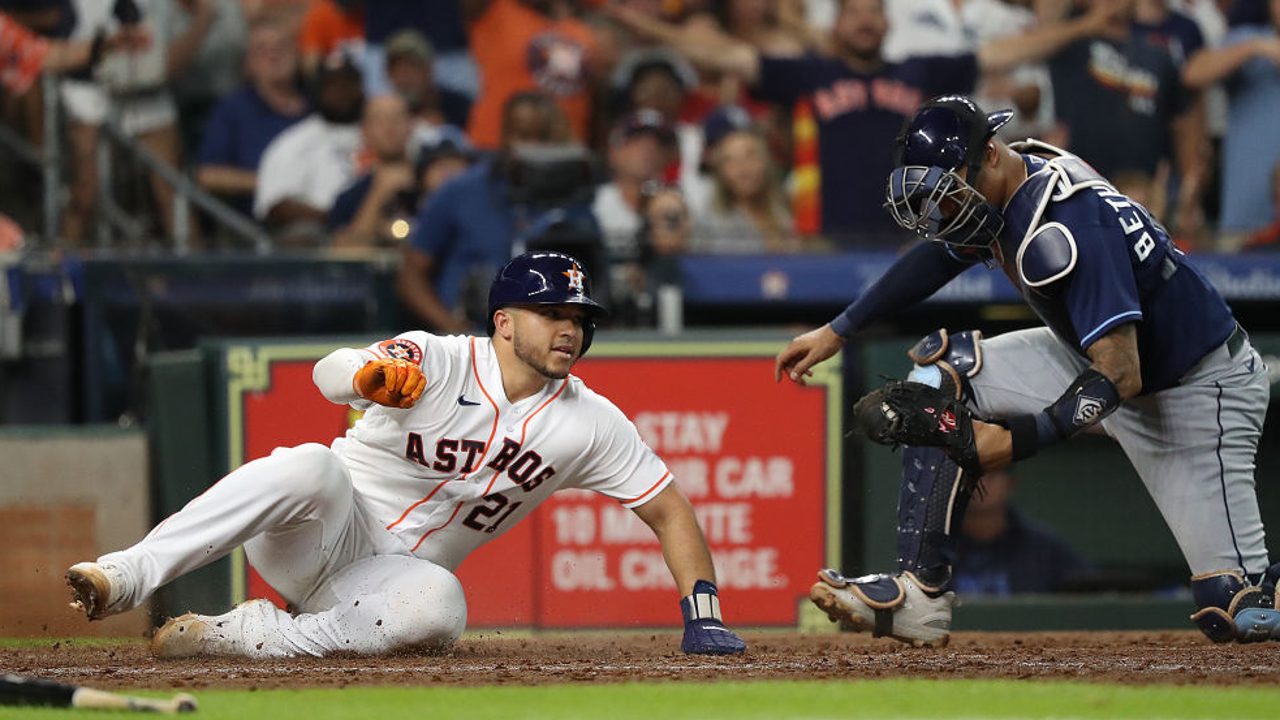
[528, 45]
[23, 54]
[329, 26]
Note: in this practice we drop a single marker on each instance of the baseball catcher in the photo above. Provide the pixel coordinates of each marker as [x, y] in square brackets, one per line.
[1136, 344]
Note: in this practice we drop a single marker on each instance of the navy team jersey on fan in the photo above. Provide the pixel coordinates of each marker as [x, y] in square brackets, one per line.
[1126, 270]
[858, 116]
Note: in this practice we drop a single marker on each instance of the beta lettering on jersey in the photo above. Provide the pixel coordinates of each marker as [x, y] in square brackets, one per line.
[1131, 221]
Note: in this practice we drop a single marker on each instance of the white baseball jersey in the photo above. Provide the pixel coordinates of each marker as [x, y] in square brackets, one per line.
[464, 465]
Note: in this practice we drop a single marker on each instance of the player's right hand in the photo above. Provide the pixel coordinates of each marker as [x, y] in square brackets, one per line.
[805, 351]
[391, 382]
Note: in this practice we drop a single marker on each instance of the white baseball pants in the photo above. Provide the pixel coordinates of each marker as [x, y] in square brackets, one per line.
[356, 587]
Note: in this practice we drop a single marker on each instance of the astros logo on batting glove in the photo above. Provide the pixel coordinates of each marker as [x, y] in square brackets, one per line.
[390, 381]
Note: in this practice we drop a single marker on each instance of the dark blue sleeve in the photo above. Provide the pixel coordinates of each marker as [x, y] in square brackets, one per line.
[348, 202]
[217, 146]
[784, 80]
[1190, 35]
[1101, 292]
[919, 273]
[434, 228]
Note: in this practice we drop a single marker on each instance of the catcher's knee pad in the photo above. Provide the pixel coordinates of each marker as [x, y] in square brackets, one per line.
[935, 492]
[947, 361]
[1233, 608]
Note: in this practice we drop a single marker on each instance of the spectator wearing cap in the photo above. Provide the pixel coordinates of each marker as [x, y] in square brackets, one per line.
[440, 113]
[464, 231]
[660, 80]
[246, 120]
[440, 22]
[520, 46]
[747, 212]
[859, 100]
[365, 213]
[641, 146]
[305, 167]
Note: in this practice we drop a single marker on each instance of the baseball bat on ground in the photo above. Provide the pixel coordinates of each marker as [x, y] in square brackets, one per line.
[17, 690]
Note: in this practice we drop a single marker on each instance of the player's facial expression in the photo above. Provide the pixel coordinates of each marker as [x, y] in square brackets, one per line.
[548, 338]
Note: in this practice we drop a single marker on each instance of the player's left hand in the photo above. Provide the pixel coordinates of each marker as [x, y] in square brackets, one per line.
[391, 382]
[704, 631]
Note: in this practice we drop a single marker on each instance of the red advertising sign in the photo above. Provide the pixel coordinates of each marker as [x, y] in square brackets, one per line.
[755, 458]
[750, 454]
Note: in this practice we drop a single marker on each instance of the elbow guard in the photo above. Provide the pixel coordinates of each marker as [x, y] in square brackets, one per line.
[1090, 398]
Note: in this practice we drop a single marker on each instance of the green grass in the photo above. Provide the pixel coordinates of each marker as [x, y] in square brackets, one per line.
[8, 642]
[734, 701]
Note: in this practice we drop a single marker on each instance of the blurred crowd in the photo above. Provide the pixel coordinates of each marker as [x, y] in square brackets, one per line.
[630, 132]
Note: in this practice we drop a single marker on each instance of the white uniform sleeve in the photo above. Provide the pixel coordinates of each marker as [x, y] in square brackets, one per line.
[618, 463]
[334, 375]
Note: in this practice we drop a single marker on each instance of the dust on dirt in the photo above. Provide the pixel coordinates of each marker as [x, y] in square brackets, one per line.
[491, 658]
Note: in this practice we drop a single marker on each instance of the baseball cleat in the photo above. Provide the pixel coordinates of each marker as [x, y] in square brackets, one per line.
[96, 590]
[192, 635]
[893, 606]
[181, 637]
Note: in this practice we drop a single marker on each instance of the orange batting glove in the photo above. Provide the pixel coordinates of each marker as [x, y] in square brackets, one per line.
[390, 381]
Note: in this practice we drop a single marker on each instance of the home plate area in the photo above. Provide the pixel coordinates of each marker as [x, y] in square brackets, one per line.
[498, 658]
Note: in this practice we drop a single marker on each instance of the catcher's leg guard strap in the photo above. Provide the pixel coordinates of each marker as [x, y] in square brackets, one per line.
[947, 361]
[881, 593]
[934, 495]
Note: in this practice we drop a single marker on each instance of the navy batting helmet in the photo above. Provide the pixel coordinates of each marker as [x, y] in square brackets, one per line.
[545, 278]
[926, 193]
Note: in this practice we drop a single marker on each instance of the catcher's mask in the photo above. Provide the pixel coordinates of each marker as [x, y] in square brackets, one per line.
[545, 278]
[926, 193]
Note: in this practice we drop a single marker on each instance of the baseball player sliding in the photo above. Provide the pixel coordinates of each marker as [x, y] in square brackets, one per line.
[1136, 345]
[462, 438]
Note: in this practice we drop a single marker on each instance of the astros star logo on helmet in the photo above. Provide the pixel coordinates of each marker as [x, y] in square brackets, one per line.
[576, 277]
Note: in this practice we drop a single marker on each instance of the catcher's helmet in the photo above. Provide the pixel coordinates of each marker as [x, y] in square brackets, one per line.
[545, 278]
[926, 193]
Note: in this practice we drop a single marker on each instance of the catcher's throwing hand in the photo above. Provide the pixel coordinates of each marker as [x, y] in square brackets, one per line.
[805, 351]
[390, 381]
[911, 413]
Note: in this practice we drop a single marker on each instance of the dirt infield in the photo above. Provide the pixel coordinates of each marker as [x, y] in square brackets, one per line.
[494, 659]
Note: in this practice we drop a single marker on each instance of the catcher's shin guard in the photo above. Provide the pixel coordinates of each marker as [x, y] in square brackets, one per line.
[1233, 608]
[934, 495]
[935, 490]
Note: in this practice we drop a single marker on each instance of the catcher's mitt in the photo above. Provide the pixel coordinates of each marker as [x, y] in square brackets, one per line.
[911, 413]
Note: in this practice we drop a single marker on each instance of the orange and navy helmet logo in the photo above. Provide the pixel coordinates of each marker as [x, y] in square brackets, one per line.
[576, 278]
